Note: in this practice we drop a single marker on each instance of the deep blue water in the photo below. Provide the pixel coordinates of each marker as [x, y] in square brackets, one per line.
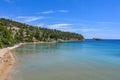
[89, 60]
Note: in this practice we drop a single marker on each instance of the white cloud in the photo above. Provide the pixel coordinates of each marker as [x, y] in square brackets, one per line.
[48, 12]
[8, 1]
[71, 28]
[41, 25]
[63, 11]
[59, 26]
[108, 23]
[54, 11]
[87, 30]
[4, 17]
[29, 18]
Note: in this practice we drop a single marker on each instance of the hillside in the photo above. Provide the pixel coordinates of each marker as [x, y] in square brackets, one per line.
[13, 32]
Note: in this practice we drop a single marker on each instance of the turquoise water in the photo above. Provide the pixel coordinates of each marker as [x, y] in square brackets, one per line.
[89, 60]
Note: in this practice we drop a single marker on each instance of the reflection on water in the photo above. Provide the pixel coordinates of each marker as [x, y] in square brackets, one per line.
[90, 60]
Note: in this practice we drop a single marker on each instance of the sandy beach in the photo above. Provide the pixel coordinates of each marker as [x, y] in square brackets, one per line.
[7, 60]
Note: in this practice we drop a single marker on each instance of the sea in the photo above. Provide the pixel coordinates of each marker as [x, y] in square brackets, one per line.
[75, 60]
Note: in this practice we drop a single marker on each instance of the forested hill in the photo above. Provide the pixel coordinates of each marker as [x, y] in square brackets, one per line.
[13, 32]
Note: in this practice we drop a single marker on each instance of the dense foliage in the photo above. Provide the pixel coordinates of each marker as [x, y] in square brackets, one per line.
[6, 38]
[12, 32]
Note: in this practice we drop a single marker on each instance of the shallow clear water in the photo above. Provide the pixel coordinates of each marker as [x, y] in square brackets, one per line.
[89, 60]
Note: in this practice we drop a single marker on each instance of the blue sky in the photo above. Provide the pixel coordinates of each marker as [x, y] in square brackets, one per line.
[92, 18]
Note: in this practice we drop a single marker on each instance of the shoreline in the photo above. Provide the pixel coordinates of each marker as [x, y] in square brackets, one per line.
[7, 61]
[7, 58]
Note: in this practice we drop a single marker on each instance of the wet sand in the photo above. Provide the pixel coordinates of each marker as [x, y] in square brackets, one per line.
[7, 60]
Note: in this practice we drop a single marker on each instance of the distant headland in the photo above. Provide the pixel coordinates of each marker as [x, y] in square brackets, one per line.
[97, 39]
